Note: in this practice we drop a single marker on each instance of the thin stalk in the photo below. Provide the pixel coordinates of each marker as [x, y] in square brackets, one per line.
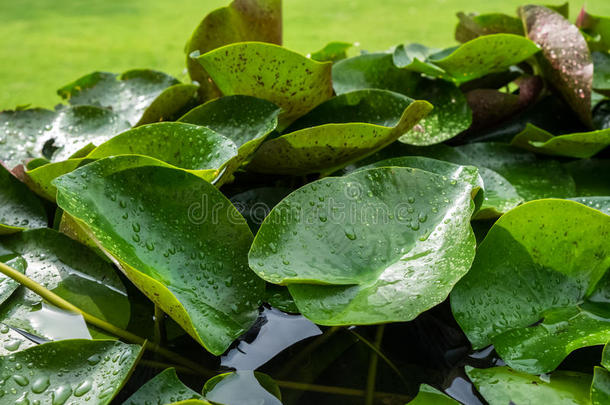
[372, 374]
[327, 389]
[59, 302]
[159, 337]
[162, 366]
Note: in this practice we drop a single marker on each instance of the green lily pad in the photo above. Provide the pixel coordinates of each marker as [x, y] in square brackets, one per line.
[290, 80]
[241, 20]
[585, 173]
[70, 371]
[599, 203]
[501, 386]
[601, 72]
[254, 205]
[450, 116]
[19, 208]
[7, 284]
[473, 25]
[580, 145]
[164, 388]
[71, 271]
[329, 147]
[415, 57]
[565, 58]
[39, 179]
[597, 29]
[554, 256]
[357, 250]
[138, 96]
[600, 387]
[241, 387]
[139, 214]
[431, 396]
[12, 341]
[332, 52]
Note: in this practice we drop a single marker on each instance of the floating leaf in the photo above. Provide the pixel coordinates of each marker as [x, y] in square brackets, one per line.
[240, 21]
[12, 341]
[332, 52]
[431, 396]
[601, 72]
[501, 386]
[597, 29]
[7, 284]
[585, 173]
[554, 256]
[164, 388]
[330, 146]
[138, 96]
[242, 387]
[357, 250]
[19, 208]
[581, 145]
[70, 371]
[472, 25]
[600, 387]
[414, 57]
[290, 80]
[39, 179]
[140, 213]
[565, 59]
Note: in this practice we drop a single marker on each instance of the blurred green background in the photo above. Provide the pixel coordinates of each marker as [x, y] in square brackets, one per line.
[45, 44]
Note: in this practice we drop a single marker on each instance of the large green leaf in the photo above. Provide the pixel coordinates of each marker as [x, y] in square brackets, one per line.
[359, 250]
[330, 146]
[601, 72]
[597, 29]
[585, 173]
[70, 371]
[502, 386]
[7, 284]
[415, 57]
[19, 208]
[430, 396]
[290, 80]
[554, 254]
[565, 58]
[332, 52]
[580, 145]
[12, 341]
[242, 20]
[39, 179]
[140, 214]
[71, 271]
[138, 96]
[450, 116]
[56, 135]
[600, 387]
[242, 387]
[164, 388]
[473, 25]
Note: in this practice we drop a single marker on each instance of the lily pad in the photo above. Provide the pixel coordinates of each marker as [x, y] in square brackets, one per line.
[39, 179]
[19, 208]
[332, 52]
[7, 284]
[599, 203]
[242, 387]
[164, 388]
[290, 80]
[473, 25]
[241, 20]
[431, 396]
[12, 341]
[585, 173]
[70, 370]
[600, 387]
[597, 29]
[542, 298]
[415, 57]
[601, 72]
[357, 250]
[139, 215]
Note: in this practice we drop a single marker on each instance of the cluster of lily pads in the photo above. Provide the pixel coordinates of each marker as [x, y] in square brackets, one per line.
[150, 224]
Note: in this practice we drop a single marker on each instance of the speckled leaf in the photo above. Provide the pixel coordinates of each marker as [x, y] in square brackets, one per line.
[580, 145]
[290, 80]
[70, 371]
[164, 388]
[502, 386]
[597, 29]
[473, 25]
[357, 250]
[565, 58]
[327, 147]
[242, 20]
[202, 281]
[431, 396]
[242, 386]
[555, 252]
[56, 135]
[19, 207]
[71, 271]
[138, 96]
[450, 116]
[196, 149]
[332, 52]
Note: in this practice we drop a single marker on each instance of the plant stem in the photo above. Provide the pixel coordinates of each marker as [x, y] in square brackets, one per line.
[372, 374]
[59, 302]
[159, 325]
[327, 389]
[162, 366]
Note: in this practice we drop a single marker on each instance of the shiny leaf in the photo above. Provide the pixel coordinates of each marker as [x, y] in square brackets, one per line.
[332, 52]
[164, 388]
[19, 208]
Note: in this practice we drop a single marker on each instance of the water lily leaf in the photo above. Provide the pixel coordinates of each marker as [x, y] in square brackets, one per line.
[550, 265]
[450, 116]
[565, 58]
[600, 387]
[597, 29]
[242, 386]
[279, 297]
[68, 371]
[164, 388]
[12, 341]
[585, 173]
[19, 208]
[501, 386]
[196, 149]
[202, 281]
[581, 145]
[332, 52]
[372, 244]
[414, 57]
[500, 195]
[601, 72]
[56, 135]
[473, 25]
[241, 20]
[328, 147]
[71, 271]
[290, 80]
[138, 96]
[431, 396]
[255, 204]
[7, 284]
[39, 179]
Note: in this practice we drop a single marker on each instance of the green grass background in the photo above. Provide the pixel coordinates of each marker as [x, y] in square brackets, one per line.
[45, 44]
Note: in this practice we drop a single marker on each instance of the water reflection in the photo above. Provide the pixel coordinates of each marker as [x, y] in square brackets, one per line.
[56, 324]
[241, 387]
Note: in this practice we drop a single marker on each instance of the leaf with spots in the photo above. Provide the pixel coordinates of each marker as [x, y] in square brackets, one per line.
[164, 388]
[19, 208]
[289, 80]
[203, 281]
[70, 371]
[342, 130]
[359, 250]
[547, 294]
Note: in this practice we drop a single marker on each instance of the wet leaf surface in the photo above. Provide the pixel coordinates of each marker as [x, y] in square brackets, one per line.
[164, 388]
[19, 208]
